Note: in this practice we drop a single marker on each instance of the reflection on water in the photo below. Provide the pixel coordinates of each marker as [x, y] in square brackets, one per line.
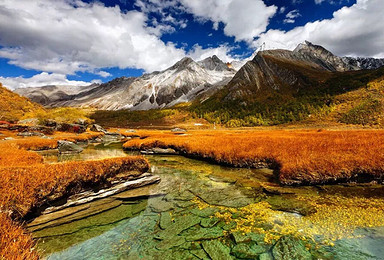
[202, 211]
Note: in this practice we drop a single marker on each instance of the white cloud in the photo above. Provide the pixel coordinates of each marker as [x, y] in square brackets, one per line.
[243, 19]
[104, 74]
[282, 9]
[38, 80]
[356, 31]
[197, 53]
[319, 1]
[68, 35]
[291, 16]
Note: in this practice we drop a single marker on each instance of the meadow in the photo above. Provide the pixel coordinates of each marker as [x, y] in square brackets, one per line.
[299, 157]
[27, 183]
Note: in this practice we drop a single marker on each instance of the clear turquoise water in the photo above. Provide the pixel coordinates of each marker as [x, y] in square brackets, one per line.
[168, 224]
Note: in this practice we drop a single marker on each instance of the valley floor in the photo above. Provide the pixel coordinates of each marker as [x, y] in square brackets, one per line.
[298, 157]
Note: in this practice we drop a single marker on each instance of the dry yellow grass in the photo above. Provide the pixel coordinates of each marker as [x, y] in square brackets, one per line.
[26, 182]
[298, 157]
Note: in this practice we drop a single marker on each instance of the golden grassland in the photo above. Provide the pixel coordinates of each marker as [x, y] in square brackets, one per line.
[298, 157]
[26, 182]
[13, 107]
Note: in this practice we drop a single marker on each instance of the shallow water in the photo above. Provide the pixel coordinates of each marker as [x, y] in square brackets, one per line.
[202, 211]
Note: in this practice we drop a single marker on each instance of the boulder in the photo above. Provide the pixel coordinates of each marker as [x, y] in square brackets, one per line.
[98, 128]
[68, 147]
[179, 130]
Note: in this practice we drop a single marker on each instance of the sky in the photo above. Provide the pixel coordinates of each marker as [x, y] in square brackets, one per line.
[78, 42]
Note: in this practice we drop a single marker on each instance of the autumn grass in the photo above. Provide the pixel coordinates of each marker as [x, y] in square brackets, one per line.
[298, 157]
[27, 183]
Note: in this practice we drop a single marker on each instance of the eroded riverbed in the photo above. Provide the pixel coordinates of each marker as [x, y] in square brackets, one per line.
[203, 211]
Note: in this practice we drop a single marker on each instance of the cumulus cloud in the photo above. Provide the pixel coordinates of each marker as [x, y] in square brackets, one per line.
[354, 31]
[68, 36]
[243, 19]
[38, 80]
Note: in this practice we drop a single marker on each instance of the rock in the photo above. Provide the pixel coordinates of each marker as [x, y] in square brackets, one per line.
[165, 220]
[171, 242]
[239, 237]
[203, 234]
[216, 250]
[68, 147]
[180, 224]
[265, 256]
[158, 150]
[204, 212]
[158, 205]
[200, 254]
[247, 250]
[89, 196]
[50, 123]
[209, 222]
[290, 248]
[73, 128]
[177, 129]
[143, 192]
[82, 121]
[98, 128]
[25, 134]
[29, 121]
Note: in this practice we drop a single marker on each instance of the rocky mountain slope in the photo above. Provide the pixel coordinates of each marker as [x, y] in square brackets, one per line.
[48, 94]
[182, 82]
[280, 86]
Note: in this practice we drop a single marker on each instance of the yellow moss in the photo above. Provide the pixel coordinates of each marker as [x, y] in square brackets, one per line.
[335, 218]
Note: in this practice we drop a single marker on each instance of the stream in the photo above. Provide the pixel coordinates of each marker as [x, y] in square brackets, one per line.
[205, 211]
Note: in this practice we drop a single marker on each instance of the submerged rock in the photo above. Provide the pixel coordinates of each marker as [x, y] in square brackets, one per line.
[290, 248]
[216, 250]
[68, 147]
[247, 250]
[170, 243]
[180, 224]
[165, 220]
[203, 234]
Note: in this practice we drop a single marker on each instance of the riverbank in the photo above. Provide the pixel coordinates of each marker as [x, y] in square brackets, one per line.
[299, 157]
[27, 183]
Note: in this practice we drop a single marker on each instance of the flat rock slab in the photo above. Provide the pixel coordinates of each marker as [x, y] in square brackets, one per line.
[216, 250]
[165, 220]
[248, 250]
[146, 191]
[72, 214]
[170, 243]
[87, 197]
[203, 234]
[180, 224]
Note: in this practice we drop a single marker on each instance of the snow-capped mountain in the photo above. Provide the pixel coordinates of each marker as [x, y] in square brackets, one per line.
[182, 82]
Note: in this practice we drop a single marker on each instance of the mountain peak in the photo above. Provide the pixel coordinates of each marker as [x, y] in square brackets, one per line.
[182, 64]
[214, 63]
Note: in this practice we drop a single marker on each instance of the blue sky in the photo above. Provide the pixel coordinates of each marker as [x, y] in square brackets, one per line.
[75, 42]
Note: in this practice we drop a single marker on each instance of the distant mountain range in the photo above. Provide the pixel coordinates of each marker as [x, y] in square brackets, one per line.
[188, 80]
